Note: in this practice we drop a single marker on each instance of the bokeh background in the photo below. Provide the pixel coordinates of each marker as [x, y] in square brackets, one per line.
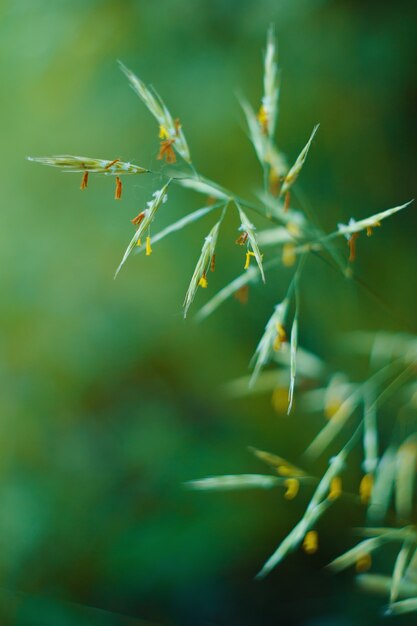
[109, 399]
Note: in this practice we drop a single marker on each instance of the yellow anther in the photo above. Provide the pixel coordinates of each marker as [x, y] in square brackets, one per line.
[248, 256]
[139, 243]
[335, 488]
[274, 182]
[280, 338]
[370, 229]
[331, 407]
[203, 282]
[280, 399]
[263, 119]
[288, 255]
[365, 488]
[311, 542]
[292, 486]
[148, 246]
[163, 133]
[363, 562]
[293, 229]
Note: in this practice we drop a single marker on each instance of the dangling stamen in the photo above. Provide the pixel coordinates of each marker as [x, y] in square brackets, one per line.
[365, 488]
[242, 239]
[289, 255]
[118, 191]
[263, 119]
[281, 337]
[167, 151]
[242, 294]
[370, 229]
[292, 486]
[213, 263]
[274, 182]
[163, 133]
[203, 282]
[364, 562]
[84, 181]
[248, 256]
[335, 488]
[137, 220]
[352, 246]
[148, 246]
[287, 201]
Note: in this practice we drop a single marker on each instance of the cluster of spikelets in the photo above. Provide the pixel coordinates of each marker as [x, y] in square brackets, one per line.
[353, 413]
[293, 238]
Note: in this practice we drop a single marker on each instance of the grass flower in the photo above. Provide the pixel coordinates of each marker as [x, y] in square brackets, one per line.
[143, 222]
[199, 277]
[170, 129]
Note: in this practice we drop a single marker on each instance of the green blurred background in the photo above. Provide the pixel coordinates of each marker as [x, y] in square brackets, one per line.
[109, 399]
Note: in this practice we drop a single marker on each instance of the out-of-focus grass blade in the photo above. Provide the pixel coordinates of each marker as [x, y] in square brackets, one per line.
[383, 486]
[401, 607]
[350, 557]
[293, 362]
[399, 569]
[235, 481]
[381, 585]
[370, 433]
[334, 426]
[258, 139]
[405, 471]
[274, 236]
[279, 464]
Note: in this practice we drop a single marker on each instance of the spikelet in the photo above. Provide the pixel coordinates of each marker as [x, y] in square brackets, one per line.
[265, 347]
[317, 506]
[295, 170]
[399, 569]
[354, 226]
[69, 163]
[248, 228]
[159, 197]
[269, 108]
[170, 130]
[381, 585]
[203, 265]
[293, 361]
